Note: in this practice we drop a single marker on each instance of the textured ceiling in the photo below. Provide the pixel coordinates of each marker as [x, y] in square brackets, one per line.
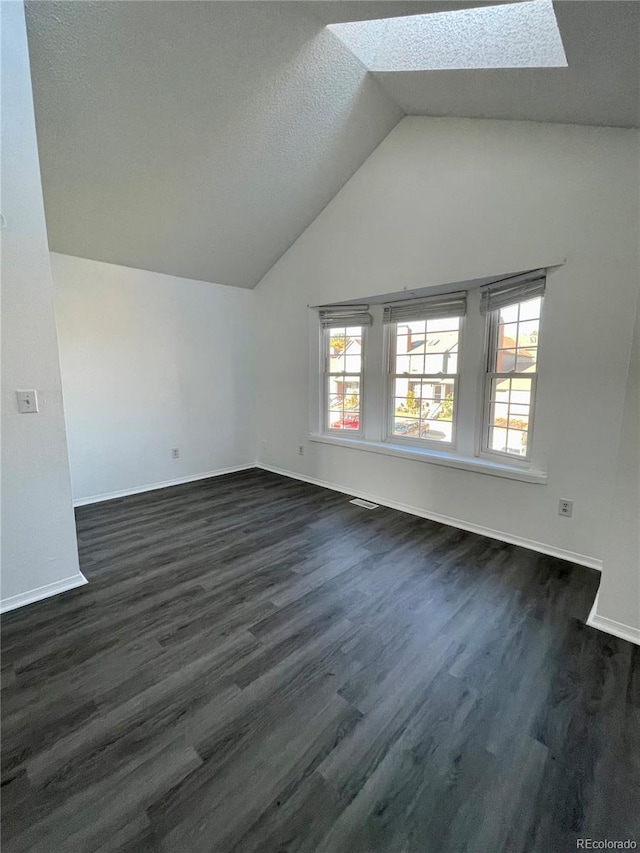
[515, 35]
[196, 139]
[600, 86]
[201, 138]
[340, 11]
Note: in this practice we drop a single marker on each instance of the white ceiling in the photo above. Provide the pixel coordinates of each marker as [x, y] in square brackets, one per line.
[196, 139]
[512, 35]
[600, 86]
[201, 138]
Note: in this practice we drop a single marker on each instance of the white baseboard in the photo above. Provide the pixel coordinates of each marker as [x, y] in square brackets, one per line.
[531, 544]
[41, 592]
[136, 490]
[610, 626]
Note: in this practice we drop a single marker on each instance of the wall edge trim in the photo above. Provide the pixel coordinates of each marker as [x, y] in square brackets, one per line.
[531, 544]
[610, 626]
[31, 596]
[137, 490]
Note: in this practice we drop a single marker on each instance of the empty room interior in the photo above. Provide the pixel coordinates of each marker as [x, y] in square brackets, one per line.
[320, 426]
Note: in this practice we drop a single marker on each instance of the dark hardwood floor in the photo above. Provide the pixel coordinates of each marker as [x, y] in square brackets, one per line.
[258, 665]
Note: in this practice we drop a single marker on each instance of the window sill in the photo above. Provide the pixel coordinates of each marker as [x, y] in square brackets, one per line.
[436, 457]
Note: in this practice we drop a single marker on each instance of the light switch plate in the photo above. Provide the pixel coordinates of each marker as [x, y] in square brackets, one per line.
[27, 402]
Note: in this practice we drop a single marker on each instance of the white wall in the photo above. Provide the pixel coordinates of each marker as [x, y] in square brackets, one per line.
[151, 362]
[618, 603]
[39, 554]
[447, 200]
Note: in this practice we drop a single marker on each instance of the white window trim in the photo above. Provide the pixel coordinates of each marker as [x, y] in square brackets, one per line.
[468, 454]
[448, 460]
[484, 450]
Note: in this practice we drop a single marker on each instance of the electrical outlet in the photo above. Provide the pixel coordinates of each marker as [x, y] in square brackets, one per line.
[301, 450]
[175, 453]
[565, 508]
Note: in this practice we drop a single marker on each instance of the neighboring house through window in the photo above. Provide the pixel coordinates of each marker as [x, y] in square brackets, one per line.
[424, 343]
[433, 394]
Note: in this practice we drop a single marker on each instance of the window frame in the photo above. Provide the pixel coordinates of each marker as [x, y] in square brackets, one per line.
[326, 334]
[391, 333]
[491, 348]
[469, 448]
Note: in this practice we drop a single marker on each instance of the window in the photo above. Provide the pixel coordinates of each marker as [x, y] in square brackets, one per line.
[452, 378]
[423, 373]
[510, 384]
[343, 359]
[424, 345]
[343, 372]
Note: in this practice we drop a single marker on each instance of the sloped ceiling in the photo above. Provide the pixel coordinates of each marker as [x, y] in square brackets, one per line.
[194, 138]
[600, 86]
[201, 138]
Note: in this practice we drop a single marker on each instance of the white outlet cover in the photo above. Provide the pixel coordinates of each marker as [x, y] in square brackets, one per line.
[565, 507]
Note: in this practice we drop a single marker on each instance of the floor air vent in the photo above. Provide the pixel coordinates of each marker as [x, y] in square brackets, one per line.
[365, 504]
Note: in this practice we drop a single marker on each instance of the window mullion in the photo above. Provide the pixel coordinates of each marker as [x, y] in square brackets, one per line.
[372, 386]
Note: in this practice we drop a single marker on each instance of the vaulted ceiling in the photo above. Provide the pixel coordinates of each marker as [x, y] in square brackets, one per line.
[600, 85]
[200, 139]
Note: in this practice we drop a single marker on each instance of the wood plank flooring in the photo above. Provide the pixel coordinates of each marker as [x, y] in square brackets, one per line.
[259, 666]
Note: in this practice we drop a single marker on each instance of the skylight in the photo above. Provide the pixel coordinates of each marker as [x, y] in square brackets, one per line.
[515, 35]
